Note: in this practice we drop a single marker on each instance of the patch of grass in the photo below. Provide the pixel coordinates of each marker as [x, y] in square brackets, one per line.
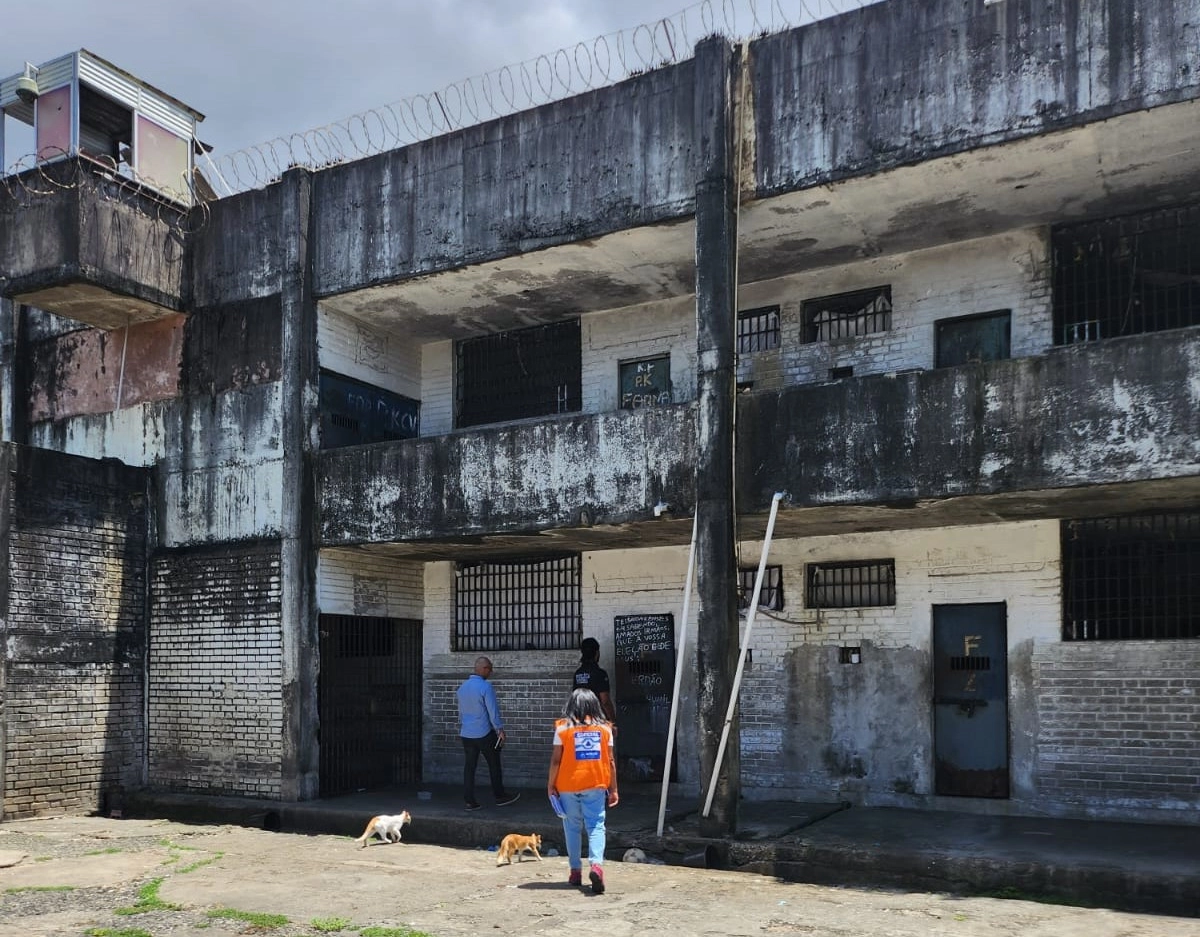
[200, 863]
[329, 925]
[104, 852]
[42, 858]
[13, 891]
[256, 918]
[148, 900]
[173, 845]
[392, 932]
[118, 932]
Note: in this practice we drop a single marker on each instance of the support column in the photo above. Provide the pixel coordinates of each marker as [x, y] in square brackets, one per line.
[716, 246]
[298, 554]
[8, 347]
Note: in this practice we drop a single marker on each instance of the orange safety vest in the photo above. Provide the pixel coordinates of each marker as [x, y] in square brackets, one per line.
[586, 756]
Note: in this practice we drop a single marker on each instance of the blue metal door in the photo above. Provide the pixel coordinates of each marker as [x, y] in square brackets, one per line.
[970, 700]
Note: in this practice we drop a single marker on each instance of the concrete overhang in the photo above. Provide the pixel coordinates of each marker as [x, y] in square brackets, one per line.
[1132, 161]
[627, 268]
[90, 248]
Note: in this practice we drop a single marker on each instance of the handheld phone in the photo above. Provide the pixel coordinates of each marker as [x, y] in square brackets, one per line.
[499, 742]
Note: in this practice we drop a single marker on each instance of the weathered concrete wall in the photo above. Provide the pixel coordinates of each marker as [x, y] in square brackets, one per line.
[521, 477]
[896, 82]
[236, 249]
[614, 158]
[92, 249]
[1120, 410]
[215, 682]
[97, 371]
[73, 543]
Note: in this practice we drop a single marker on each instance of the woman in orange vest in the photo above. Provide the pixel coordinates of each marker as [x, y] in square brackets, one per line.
[583, 775]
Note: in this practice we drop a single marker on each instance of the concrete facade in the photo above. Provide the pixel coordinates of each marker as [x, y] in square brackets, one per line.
[810, 164]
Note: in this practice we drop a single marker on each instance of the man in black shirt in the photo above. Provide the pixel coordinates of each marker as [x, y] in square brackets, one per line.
[592, 676]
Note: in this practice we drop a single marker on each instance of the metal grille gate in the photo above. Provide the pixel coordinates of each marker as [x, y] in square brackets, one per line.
[369, 702]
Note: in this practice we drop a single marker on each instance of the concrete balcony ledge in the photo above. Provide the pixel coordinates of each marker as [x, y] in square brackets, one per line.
[89, 246]
[1112, 412]
[564, 472]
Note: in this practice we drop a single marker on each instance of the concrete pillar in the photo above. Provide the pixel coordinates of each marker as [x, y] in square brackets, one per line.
[8, 345]
[716, 564]
[298, 554]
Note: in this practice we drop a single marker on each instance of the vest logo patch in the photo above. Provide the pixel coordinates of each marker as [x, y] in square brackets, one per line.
[587, 744]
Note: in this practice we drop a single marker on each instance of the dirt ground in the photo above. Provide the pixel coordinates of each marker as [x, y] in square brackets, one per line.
[73, 876]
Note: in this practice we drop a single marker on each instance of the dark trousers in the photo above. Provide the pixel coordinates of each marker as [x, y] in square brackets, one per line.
[473, 748]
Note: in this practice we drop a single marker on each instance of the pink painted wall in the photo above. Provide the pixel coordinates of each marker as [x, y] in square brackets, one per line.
[80, 372]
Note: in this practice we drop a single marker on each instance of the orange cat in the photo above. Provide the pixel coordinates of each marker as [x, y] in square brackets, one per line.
[387, 827]
[515, 843]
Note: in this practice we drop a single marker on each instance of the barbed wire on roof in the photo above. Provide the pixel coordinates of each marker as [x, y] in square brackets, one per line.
[50, 172]
[585, 66]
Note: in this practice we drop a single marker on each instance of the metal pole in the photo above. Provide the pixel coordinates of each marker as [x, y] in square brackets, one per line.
[741, 664]
[683, 625]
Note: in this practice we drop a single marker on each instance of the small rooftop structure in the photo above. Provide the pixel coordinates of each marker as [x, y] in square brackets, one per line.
[80, 105]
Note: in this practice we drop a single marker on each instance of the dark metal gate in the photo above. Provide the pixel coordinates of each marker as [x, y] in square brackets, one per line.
[970, 700]
[370, 703]
[644, 681]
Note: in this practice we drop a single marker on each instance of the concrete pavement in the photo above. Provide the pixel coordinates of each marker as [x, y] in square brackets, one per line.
[1126, 866]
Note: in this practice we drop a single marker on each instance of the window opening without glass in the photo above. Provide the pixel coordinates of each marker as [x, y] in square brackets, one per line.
[846, 315]
[1131, 578]
[519, 374]
[1126, 276]
[757, 330]
[518, 604]
[856, 584]
[770, 596]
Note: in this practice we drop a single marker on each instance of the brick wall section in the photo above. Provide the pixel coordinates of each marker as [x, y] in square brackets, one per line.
[1120, 723]
[74, 631]
[1009, 271]
[216, 710]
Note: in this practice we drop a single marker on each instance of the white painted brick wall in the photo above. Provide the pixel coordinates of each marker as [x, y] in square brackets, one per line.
[644, 331]
[383, 359]
[351, 582]
[437, 388]
[1008, 271]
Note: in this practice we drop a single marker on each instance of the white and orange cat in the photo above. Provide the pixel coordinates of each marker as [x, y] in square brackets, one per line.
[386, 826]
[518, 845]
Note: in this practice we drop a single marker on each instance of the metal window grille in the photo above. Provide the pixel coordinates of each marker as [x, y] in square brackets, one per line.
[519, 604]
[771, 594]
[855, 584]
[1126, 276]
[1131, 578]
[757, 330]
[519, 374]
[847, 314]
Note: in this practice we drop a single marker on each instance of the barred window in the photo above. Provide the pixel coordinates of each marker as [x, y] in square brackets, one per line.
[770, 596]
[1131, 578]
[847, 314]
[522, 373]
[856, 584]
[518, 604]
[1125, 276]
[757, 330]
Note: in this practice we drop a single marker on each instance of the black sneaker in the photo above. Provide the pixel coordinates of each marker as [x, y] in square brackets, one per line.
[508, 799]
[474, 806]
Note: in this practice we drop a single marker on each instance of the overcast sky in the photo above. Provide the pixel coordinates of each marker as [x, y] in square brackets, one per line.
[258, 69]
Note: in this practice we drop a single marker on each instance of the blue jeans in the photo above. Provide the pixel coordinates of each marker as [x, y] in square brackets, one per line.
[584, 811]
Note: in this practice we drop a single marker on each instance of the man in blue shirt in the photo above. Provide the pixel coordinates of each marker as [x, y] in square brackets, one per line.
[482, 733]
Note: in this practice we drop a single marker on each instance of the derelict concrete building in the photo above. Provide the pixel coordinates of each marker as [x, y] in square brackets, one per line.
[277, 466]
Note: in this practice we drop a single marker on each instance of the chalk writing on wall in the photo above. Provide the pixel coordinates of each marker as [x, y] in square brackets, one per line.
[645, 383]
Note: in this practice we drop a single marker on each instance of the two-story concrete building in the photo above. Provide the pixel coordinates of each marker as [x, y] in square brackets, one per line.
[277, 466]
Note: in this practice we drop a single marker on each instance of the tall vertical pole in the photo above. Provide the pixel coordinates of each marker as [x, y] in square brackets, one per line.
[298, 549]
[716, 244]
